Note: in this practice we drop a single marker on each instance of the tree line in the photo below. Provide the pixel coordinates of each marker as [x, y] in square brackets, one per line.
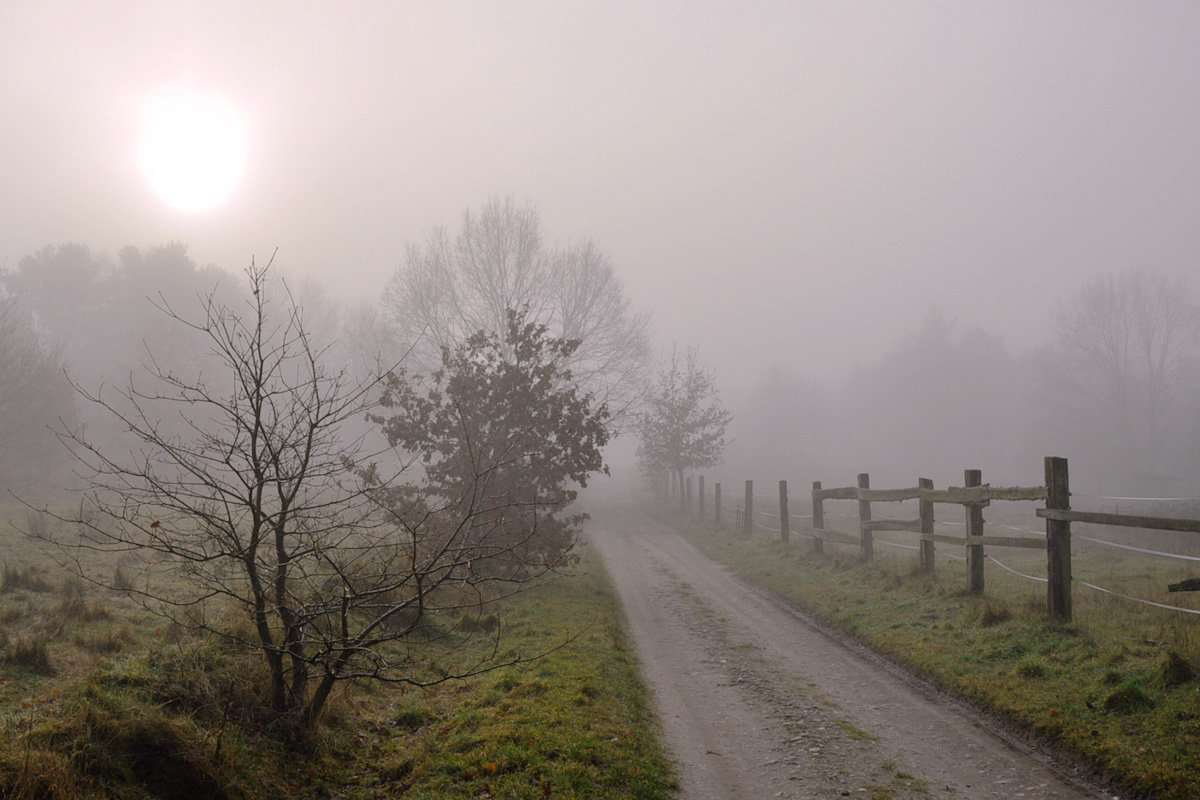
[250, 459]
[358, 483]
[1115, 386]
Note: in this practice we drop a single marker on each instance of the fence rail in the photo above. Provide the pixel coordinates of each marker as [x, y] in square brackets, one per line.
[1121, 520]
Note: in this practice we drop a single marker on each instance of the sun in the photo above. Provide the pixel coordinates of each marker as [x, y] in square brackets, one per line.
[192, 150]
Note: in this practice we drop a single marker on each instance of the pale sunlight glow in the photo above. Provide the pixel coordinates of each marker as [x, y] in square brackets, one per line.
[193, 150]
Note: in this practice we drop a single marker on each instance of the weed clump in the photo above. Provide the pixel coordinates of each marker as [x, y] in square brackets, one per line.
[470, 623]
[122, 744]
[1128, 699]
[30, 578]
[30, 654]
[991, 615]
[533, 688]
[412, 719]
[1175, 671]
[1031, 669]
[74, 607]
[1033, 606]
[38, 774]
[107, 642]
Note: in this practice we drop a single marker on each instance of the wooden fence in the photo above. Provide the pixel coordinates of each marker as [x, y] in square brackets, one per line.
[973, 496]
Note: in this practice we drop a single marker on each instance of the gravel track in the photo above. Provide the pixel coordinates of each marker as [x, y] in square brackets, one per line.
[757, 702]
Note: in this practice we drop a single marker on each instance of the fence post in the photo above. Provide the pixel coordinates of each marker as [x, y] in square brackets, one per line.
[818, 517]
[687, 499]
[973, 477]
[717, 506]
[784, 533]
[864, 515]
[1058, 540]
[700, 497]
[926, 512]
[748, 514]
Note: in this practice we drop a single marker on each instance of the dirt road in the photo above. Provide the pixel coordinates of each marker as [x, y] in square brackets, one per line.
[756, 703]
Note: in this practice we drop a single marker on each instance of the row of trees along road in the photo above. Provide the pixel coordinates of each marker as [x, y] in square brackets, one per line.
[274, 502]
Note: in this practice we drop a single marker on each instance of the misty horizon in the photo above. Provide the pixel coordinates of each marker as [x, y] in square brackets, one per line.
[790, 188]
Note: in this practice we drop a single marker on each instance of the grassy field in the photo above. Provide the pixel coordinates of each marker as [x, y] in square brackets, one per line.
[100, 699]
[1117, 686]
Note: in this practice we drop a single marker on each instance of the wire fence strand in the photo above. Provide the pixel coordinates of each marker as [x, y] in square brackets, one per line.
[1138, 599]
[1145, 550]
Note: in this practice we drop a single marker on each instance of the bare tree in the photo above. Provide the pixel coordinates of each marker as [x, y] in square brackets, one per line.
[249, 504]
[457, 285]
[265, 504]
[1121, 373]
[682, 426]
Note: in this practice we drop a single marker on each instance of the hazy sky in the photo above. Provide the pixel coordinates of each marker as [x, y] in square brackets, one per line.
[788, 181]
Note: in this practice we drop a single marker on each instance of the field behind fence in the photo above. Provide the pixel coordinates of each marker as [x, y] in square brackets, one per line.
[1023, 537]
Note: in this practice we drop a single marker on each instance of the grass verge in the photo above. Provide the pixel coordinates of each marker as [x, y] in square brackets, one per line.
[125, 715]
[1117, 686]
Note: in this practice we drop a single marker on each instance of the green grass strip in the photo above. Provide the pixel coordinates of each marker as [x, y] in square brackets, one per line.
[177, 717]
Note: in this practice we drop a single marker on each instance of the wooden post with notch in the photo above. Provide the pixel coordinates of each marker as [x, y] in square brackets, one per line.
[818, 517]
[926, 514]
[864, 515]
[973, 477]
[784, 533]
[1058, 540]
[717, 506]
[700, 497]
[748, 514]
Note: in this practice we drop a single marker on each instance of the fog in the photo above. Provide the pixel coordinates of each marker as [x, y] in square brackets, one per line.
[794, 188]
